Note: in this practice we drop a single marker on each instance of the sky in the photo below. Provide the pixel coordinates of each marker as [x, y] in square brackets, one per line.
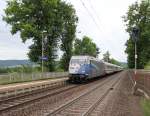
[101, 20]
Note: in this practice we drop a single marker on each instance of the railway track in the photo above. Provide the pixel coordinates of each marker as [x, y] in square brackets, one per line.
[24, 99]
[9, 98]
[11, 103]
[84, 104]
[95, 105]
[78, 93]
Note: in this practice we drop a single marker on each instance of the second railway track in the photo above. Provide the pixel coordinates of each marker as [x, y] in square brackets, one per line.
[84, 104]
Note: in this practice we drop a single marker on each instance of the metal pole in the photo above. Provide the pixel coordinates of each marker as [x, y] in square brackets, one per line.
[42, 52]
[135, 58]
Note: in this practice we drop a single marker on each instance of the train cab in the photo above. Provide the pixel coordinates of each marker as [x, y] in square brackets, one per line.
[79, 68]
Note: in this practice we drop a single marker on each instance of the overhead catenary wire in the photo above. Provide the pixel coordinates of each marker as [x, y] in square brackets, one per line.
[79, 31]
[93, 18]
[90, 14]
[97, 16]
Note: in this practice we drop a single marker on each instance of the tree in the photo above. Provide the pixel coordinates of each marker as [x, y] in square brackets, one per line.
[68, 35]
[138, 15]
[147, 66]
[85, 47]
[106, 57]
[37, 20]
[114, 61]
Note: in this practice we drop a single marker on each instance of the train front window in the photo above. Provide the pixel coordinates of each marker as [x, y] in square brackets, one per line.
[77, 61]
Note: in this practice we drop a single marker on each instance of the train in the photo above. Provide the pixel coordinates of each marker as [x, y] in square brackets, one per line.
[82, 68]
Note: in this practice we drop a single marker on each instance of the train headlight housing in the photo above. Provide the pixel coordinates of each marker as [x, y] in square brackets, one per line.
[83, 71]
[86, 74]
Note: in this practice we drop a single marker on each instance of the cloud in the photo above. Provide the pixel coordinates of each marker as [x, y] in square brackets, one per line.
[11, 46]
[108, 32]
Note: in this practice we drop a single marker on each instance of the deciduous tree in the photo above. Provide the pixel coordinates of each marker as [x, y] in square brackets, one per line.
[85, 47]
[42, 19]
[106, 57]
[68, 35]
[138, 15]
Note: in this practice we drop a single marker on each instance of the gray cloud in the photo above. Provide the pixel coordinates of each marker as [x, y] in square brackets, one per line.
[107, 13]
[11, 46]
[109, 36]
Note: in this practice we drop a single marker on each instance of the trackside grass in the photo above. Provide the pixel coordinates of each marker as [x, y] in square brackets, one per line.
[147, 66]
[27, 77]
[146, 107]
[6, 81]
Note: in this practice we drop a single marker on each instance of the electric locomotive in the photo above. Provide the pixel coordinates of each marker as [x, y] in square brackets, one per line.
[82, 68]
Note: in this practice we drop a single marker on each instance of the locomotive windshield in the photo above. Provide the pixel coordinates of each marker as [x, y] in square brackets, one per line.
[78, 61]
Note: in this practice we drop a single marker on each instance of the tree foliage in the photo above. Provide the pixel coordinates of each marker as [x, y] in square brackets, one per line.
[106, 57]
[52, 20]
[85, 47]
[68, 35]
[147, 66]
[138, 15]
[114, 61]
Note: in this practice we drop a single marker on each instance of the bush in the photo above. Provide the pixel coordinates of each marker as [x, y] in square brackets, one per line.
[146, 107]
[147, 66]
[23, 68]
[3, 70]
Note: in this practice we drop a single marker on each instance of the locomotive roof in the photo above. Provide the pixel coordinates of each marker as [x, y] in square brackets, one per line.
[82, 57]
[86, 57]
[93, 58]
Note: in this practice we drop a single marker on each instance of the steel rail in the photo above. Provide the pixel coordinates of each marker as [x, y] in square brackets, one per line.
[64, 106]
[38, 91]
[27, 101]
[88, 112]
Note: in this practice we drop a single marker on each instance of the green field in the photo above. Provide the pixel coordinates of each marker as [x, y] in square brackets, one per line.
[23, 73]
[146, 107]
[27, 77]
[18, 79]
[147, 66]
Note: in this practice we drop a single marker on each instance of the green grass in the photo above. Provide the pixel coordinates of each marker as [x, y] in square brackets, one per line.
[6, 82]
[146, 107]
[17, 79]
[147, 66]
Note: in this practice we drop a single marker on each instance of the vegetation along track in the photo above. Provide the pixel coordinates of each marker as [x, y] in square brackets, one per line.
[86, 102]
